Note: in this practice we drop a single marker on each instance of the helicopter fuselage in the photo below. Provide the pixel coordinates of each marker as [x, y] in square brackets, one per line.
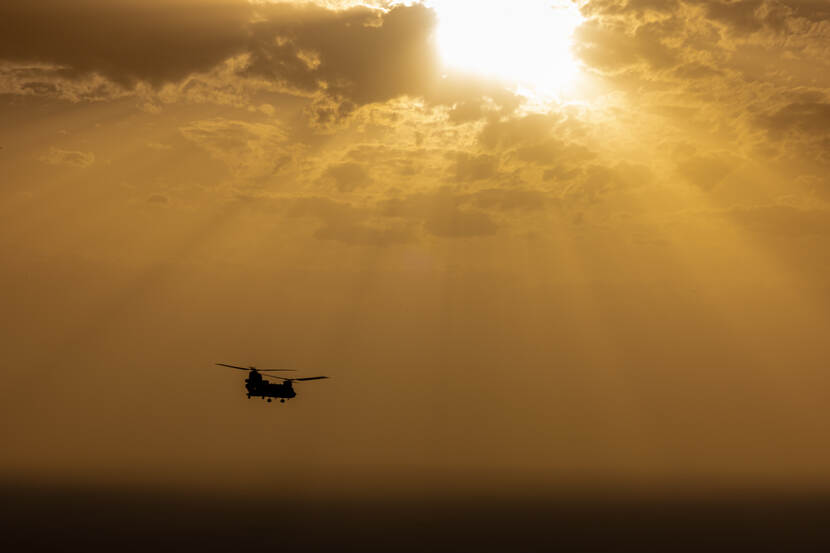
[262, 388]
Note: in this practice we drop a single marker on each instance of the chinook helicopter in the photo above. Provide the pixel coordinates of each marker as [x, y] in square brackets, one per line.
[257, 386]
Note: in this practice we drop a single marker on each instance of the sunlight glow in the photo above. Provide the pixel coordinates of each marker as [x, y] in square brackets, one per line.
[524, 42]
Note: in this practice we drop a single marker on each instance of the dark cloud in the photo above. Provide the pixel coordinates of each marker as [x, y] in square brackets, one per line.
[124, 40]
[359, 54]
[812, 118]
[344, 58]
[54, 81]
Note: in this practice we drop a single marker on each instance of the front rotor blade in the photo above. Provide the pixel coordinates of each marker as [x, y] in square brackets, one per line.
[311, 378]
[272, 370]
[235, 367]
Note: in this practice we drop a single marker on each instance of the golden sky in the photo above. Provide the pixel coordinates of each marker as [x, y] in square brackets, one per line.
[548, 240]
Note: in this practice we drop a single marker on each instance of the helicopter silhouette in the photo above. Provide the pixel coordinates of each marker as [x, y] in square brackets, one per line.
[257, 386]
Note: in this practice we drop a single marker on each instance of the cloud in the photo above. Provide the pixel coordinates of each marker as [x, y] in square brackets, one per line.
[596, 181]
[547, 140]
[697, 38]
[55, 81]
[470, 167]
[812, 118]
[752, 16]
[508, 133]
[348, 176]
[553, 151]
[454, 223]
[613, 45]
[346, 223]
[359, 54]
[363, 234]
[782, 220]
[466, 111]
[616, 7]
[721, 70]
[125, 40]
[159, 146]
[510, 199]
[69, 158]
[222, 50]
[158, 199]
[250, 150]
[442, 214]
[708, 170]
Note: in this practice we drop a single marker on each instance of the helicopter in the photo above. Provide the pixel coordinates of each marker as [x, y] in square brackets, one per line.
[257, 386]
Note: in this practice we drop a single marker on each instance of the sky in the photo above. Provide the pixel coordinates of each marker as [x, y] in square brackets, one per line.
[543, 241]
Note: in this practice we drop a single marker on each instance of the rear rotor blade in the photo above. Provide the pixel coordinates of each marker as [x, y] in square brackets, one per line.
[295, 379]
[272, 370]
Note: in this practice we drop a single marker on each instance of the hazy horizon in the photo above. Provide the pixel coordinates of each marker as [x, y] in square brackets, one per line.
[594, 256]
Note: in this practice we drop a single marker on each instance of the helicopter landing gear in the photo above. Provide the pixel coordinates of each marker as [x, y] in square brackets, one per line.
[249, 396]
[282, 401]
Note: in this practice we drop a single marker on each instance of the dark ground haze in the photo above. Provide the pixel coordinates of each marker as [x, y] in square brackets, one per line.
[85, 518]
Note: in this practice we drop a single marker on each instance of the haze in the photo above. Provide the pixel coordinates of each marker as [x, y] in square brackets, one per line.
[623, 277]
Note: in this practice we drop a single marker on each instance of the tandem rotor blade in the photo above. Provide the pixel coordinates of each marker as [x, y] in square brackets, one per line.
[295, 379]
[235, 367]
[251, 368]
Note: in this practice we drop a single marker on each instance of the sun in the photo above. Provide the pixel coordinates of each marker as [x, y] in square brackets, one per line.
[526, 43]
